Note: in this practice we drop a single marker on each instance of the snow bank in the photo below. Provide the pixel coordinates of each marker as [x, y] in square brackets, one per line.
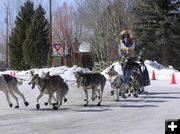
[67, 73]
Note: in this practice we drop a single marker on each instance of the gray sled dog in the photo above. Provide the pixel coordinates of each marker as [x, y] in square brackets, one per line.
[117, 83]
[50, 86]
[9, 85]
[48, 76]
[91, 81]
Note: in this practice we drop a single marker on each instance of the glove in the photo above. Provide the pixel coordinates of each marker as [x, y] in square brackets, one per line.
[122, 59]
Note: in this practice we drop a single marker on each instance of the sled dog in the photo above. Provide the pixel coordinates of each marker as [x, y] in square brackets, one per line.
[117, 83]
[91, 81]
[9, 85]
[50, 85]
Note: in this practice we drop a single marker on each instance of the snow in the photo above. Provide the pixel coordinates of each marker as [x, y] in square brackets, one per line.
[143, 115]
[84, 47]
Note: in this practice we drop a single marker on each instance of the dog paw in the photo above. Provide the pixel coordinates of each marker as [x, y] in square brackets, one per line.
[85, 105]
[11, 105]
[54, 104]
[16, 106]
[112, 93]
[26, 103]
[55, 108]
[135, 95]
[46, 103]
[98, 104]
[37, 106]
[123, 96]
[116, 100]
[65, 100]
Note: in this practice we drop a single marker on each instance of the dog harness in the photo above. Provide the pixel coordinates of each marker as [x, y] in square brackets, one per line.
[8, 78]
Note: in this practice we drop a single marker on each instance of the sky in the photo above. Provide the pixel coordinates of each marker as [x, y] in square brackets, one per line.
[143, 115]
[15, 7]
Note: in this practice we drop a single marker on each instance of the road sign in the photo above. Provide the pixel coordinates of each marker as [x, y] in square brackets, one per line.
[57, 47]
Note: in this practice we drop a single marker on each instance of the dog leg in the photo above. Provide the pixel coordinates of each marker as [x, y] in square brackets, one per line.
[55, 98]
[37, 100]
[112, 92]
[141, 89]
[94, 96]
[50, 99]
[117, 94]
[86, 94]
[135, 93]
[60, 98]
[101, 94]
[65, 99]
[7, 98]
[13, 95]
[56, 102]
[123, 93]
[16, 90]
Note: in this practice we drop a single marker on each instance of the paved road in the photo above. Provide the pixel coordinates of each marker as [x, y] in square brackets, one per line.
[143, 115]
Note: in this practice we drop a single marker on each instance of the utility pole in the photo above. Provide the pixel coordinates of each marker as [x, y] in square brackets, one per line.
[50, 34]
[7, 36]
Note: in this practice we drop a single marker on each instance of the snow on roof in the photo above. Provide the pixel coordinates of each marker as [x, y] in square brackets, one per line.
[84, 47]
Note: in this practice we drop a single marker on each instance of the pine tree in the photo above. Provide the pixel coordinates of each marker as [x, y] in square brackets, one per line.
[18, 35]
[176, 29]
[156, 28]
[36, 45]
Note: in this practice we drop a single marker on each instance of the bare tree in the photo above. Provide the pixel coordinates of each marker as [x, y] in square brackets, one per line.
[104, 19]
[65, 25]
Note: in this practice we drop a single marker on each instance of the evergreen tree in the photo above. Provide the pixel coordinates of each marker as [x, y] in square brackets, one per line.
[156, 27]
[36, 45]
[18, 35]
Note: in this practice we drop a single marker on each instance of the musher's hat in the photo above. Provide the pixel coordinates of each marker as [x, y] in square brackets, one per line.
[126, 32]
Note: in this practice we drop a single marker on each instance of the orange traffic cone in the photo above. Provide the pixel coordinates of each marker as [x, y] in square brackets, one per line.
[173, 81]
[153, 76]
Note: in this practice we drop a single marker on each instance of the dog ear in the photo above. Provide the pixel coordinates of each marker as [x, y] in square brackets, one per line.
[112, 68]
[48, 73]
[109, 69]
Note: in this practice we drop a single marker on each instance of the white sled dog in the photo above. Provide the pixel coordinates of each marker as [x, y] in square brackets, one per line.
[117, 83]
[50, 85]
[9, 85]
[91, 81]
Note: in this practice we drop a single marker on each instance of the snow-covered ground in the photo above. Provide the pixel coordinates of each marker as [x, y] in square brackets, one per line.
[143, 115]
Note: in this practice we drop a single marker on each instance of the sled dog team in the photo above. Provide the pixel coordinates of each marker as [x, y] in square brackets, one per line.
[55, 85]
